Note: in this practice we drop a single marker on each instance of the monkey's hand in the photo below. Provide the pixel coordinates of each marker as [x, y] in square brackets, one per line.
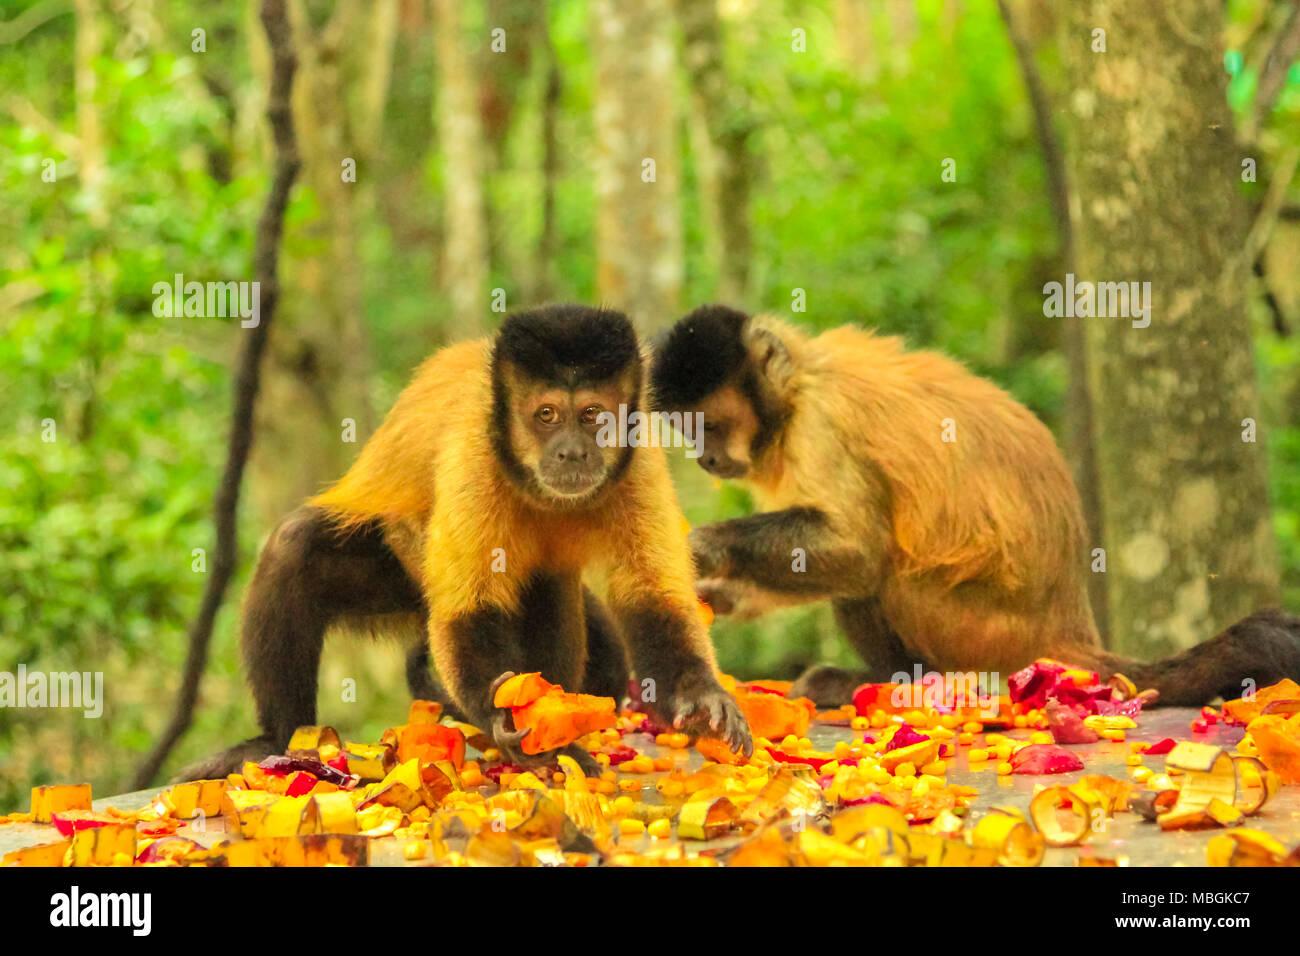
[710, 549]
[509, 740]
[701, 706]
[718, 593]
[740, 599]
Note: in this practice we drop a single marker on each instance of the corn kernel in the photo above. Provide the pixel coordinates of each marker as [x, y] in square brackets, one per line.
[671, 788]
[972, 727]
[1039, 737]
[905, 769]
[860, 723]
[789, 743]
[630, 827]
[492, 755]
[661, 829]
[935, 768]
[1133, 760]
[1020, 721]
[965, 739]
[1141, 774]
[416, 849]
[978, 755]
[1004, 767]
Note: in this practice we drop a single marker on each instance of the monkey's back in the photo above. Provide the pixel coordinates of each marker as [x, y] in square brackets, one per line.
[987, 524]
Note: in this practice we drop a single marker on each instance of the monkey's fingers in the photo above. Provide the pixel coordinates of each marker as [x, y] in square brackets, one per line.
[506, 738]
[716, 594]
[735, 730]
[684, 711]
[496, 684]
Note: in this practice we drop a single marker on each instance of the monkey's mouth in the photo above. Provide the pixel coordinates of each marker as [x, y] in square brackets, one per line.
[572, 484]
[723, 467]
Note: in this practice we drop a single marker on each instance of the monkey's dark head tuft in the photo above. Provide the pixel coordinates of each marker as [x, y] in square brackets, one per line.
[700, 353]
[569, 345]
[732, 371]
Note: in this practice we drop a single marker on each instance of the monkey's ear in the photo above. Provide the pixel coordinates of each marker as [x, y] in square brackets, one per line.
[769, 355]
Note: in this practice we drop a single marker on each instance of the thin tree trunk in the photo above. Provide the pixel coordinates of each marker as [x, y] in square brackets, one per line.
[266, 255]
[544, 265]
[639, 263]
[1078, 405]
[460, 132]
[319, 361]
[730, 126]
[1155, 171]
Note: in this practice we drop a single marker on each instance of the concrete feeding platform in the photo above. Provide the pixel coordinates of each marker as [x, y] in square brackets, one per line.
[1128, 836]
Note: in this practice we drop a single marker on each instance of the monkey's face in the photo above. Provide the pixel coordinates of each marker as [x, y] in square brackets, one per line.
[556, 439]
[730, 425]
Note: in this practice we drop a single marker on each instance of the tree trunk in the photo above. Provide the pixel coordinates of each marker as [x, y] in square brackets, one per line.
[638, 215]
[729, 124]
[547, 241]
[318, 364]
[1156, 173]
[460, 132]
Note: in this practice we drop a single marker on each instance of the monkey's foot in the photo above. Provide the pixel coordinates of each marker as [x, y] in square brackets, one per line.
[708, 710]
[828, 686]
[229, 761]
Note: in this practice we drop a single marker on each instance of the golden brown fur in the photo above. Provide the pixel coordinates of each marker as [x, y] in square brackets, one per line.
[980, 540]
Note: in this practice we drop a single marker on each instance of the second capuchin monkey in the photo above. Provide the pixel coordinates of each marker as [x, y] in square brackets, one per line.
[965, 554]
[482, 504]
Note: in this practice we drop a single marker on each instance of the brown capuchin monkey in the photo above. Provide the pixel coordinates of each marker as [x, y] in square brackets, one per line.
[933, 511]
[480, 506]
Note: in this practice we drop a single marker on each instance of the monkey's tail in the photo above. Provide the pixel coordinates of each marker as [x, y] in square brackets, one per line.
[229, 761]
[1258, 650]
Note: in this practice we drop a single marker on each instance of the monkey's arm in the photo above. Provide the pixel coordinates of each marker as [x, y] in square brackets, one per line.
[795, 554]
[652, 595]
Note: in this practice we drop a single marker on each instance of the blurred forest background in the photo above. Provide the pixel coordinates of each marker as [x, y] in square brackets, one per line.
[798, 145]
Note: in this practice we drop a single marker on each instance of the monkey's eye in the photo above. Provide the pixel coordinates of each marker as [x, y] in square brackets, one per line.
[590, 414]
[548, 415]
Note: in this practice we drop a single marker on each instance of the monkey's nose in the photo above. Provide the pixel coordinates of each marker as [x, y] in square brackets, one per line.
[571, 454]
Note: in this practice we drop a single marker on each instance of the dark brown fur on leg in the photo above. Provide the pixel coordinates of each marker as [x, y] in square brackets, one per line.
[607, 672]
[309, 575]
[1256, 651]
[865, 626]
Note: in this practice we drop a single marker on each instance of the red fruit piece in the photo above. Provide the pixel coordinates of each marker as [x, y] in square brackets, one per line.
[68, 822]
[1044, 758]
